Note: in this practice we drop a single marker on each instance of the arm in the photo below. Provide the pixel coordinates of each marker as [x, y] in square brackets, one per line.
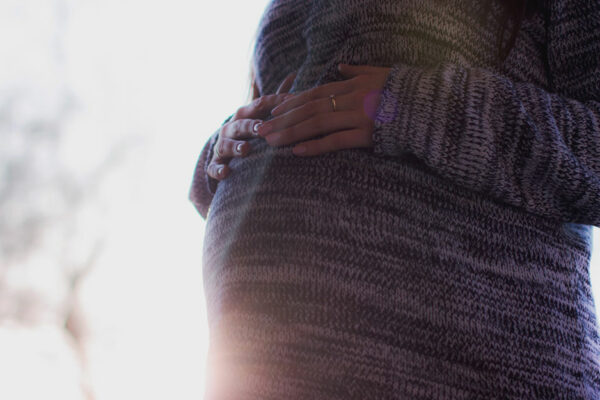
[203, 186]
[513, 141]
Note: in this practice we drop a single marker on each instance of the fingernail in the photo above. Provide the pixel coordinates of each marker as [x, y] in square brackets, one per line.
[255, 128]
[238, 148]
[220, 171]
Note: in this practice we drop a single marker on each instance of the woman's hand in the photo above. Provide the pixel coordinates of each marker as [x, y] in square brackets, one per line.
[309, 114]
[241, 126]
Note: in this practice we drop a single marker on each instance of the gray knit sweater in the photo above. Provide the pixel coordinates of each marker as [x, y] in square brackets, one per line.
[449, 261]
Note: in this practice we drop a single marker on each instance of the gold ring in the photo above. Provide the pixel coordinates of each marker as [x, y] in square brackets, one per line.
[332, 98]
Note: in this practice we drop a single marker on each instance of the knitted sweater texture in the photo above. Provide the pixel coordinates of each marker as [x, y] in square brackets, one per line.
[451, 259]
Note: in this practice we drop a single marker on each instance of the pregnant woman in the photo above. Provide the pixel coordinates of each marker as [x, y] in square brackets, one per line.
[416, 222]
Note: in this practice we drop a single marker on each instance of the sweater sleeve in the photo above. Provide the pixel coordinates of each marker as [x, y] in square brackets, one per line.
[203, 186]
[513, 141]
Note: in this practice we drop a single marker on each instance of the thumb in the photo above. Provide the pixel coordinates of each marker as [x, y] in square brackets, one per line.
[285, 86]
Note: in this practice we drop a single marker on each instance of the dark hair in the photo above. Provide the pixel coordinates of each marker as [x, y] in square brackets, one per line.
[518, 10]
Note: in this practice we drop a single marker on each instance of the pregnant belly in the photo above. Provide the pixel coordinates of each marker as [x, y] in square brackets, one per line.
[356, 276]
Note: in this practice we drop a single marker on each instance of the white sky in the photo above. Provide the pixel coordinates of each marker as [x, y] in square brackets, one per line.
[157, 77]
[169, 73]
[152, 80]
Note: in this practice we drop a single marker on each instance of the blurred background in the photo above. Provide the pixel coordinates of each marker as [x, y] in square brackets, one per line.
[104, 108]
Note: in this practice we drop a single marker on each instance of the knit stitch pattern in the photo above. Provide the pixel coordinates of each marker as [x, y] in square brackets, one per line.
[450, 260]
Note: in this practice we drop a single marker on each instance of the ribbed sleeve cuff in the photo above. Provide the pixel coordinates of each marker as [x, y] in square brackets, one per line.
[422, 111]
[435, 113]
[391, 134]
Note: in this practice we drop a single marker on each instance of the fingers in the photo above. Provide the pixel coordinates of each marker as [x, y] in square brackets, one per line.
[225, 149]
[241, 129]
[287, 83]
[307, 110]
[260, 108]
[319, 124]
[337, 88]
[314, 118]
[217, 171]
[337, 141]
[244, 125]
[291, 118]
